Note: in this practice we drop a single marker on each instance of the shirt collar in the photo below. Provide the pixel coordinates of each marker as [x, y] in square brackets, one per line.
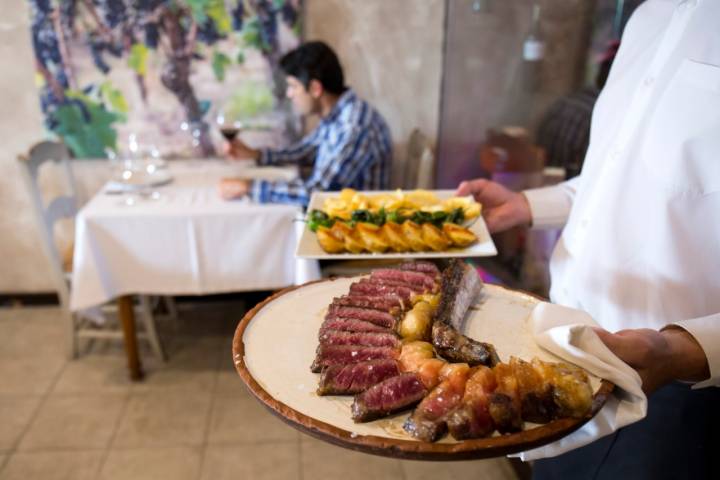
[347, 98]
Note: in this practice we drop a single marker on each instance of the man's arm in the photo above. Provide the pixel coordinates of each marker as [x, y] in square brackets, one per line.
[351, 156]
[688, 350]
[302, 153]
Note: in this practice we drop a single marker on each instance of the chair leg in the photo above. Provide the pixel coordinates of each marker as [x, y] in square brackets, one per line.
[172, 310]
[149, 322]
[72, 339]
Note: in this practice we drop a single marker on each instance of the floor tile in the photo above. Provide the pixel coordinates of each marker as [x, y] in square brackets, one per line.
[492, 469]
[243, 419]
[192, 365]
[29, 375]
[257, 462]
[74, 421]
[16, 412]
[151, 464]
[78, 465]
[164, 419]
[95, 374]
[321, 460]
[32, 331]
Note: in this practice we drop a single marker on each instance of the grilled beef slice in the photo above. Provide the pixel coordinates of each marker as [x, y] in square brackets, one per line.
[424, 267]
[422, 280]
[328, 355]
[365, 287]
[355, 378]
[456, 347]
[460, 285]
[472, 418]
[388, 396]
[387, 303]
[384, 319]
[370, 339]
[351, 325]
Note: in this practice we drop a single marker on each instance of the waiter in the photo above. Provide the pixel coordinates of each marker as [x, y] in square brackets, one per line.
[640, 249]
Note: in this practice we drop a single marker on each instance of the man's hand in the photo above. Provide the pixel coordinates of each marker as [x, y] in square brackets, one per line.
[238, 150]
[232, 188]
[659, 357]
[502, 208]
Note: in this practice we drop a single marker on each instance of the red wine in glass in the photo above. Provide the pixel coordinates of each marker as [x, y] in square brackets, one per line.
[229, 133]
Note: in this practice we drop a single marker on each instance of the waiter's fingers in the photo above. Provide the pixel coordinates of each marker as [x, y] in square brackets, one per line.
[472, 187]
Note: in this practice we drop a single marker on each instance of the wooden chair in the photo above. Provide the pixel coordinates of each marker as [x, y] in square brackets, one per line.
[79, 326]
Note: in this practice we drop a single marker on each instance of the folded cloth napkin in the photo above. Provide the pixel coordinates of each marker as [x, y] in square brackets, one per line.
[568, 333]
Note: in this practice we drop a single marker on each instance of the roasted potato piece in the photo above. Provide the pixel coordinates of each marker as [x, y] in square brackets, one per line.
[372, 237]
[413, 235]
[417, 322]
[354, 242]
[434, 237]
[394, 235]
[328, 241]
[459, 236]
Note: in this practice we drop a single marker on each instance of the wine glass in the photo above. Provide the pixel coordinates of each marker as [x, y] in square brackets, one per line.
[228, 119]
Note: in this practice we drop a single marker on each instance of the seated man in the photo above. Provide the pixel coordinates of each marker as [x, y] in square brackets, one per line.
[351, 147]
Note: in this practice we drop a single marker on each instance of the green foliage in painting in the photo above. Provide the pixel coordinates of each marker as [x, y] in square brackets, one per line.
[86, 126]
[251, 99]
[219, 62]
[138, 58]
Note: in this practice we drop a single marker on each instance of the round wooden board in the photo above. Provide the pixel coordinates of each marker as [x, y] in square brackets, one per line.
[275, 343]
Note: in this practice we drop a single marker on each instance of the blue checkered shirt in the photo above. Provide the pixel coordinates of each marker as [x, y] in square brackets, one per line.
[350, 148]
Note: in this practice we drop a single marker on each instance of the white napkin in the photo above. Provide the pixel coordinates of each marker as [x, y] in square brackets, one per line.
[568, 333]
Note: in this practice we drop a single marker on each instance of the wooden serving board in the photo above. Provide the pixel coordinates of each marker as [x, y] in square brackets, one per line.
[275, 344]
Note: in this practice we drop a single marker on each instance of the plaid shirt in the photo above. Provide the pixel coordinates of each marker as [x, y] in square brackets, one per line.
[350, 148]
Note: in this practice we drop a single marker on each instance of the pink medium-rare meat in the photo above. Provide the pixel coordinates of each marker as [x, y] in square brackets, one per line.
[328, 355]
[378, 317]
[364, 287]
[351, 325]
[370, 339]
[390, 395]
[356, 377]
[420, 279]
[424, 267]
[388, 303]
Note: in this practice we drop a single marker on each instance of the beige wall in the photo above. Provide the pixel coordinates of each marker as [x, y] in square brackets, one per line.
[22, 264]
[391, 51]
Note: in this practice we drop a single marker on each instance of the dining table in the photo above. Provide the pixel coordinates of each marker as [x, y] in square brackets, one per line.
[177, 236]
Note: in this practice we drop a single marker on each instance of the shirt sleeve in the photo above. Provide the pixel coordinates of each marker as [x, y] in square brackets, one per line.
[302, 153]
[550, 206]
[351, 157]
[706, 331]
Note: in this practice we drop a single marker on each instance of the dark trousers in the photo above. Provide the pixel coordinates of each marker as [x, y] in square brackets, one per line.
[679, 439]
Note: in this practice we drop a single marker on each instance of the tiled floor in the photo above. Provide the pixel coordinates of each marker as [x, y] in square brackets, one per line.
[191, 418]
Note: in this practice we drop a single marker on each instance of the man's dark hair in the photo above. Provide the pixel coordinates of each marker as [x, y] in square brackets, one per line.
[315, 60]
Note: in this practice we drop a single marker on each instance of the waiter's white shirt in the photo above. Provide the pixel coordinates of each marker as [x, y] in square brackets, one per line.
[641, 243]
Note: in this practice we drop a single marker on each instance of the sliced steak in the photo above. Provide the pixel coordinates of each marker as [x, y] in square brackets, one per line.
[370, 339]
[387, 303]
[388, 396]
[457, 348]
[351, 325]
[366, 288]
[460, 285]
[355, 378]
[378, 317]
[396, 283]
[425, 281]
[328, 355]
[424, 267]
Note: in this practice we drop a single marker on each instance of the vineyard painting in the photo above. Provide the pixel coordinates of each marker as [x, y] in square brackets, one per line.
[159, 70]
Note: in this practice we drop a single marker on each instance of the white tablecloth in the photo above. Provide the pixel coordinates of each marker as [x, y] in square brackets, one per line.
[188, 241]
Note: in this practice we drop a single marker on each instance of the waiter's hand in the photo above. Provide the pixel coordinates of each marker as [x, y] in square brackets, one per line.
[238, 150]
[501, 207]
[232, 188]
[659, 357]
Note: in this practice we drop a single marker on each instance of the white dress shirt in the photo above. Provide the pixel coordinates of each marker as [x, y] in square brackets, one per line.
[641, 243]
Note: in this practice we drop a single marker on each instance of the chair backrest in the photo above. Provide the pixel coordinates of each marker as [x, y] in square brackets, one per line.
[419, 163]
[47, 214]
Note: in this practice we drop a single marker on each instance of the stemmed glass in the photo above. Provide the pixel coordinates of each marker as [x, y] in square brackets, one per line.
[228, 119]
